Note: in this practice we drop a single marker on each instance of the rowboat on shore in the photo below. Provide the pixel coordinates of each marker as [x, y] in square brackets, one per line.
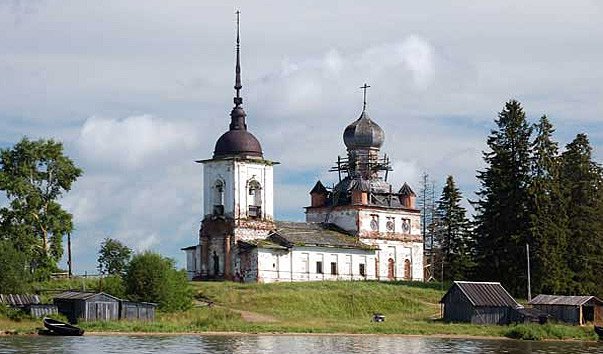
[61, 328]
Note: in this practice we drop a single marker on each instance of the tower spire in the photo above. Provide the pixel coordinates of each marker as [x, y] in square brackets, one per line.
[364, 87]
[238, 100]
[237, 115]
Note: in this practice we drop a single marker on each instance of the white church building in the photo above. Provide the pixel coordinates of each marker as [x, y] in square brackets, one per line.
[361, 229]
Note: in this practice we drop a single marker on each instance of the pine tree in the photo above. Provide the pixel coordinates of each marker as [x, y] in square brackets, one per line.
[456, 244]
[581, 182]
[548, 221]
[502, 221]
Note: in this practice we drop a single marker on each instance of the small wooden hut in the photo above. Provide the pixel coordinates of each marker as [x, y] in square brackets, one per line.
[76, 306]
[479, 303]
[141, 311]
[571, 309]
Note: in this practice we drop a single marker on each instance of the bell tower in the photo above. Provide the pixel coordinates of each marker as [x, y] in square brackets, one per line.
[237, 191]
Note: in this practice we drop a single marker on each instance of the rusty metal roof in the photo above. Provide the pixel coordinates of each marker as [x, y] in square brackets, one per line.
[19, 299]
[484, 294]
[315, 234]
[563, 300]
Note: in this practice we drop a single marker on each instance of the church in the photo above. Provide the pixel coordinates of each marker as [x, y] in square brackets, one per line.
[360, 229]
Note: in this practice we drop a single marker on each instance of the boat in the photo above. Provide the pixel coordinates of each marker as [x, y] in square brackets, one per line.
[61, 328]
[599, 331]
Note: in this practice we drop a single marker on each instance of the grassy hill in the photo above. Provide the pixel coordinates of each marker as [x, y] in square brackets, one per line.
[319, 307]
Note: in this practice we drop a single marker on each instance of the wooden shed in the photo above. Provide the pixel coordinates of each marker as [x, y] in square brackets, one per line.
[141, 311]
[85, 306]
[29, 304]
[571, 309]
[479, 303]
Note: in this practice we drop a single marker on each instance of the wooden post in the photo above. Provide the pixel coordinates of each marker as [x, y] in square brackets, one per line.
[69, 254]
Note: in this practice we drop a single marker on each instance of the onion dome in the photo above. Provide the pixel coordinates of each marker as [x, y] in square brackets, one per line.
[237, 141]
[363, 133]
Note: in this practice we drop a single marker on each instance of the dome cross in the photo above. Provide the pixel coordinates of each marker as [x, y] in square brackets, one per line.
[364, 87]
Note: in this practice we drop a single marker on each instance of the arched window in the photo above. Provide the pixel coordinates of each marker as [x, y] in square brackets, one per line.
[218, 197]
[407, 270]
[255, 199]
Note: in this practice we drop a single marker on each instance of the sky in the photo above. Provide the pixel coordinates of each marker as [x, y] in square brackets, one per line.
[137, 91]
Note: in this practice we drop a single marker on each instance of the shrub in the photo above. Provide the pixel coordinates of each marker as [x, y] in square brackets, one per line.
[14, 277]
[153, 278]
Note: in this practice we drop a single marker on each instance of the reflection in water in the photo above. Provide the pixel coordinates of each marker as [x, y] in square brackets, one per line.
[264, 344]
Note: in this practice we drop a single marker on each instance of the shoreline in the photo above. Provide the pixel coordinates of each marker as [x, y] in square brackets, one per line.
[301, 334]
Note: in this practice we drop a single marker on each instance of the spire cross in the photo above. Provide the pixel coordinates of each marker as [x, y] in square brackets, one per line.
[364, 87]
[238, 100]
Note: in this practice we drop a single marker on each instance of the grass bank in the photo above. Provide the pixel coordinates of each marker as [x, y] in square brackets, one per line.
[321, 307]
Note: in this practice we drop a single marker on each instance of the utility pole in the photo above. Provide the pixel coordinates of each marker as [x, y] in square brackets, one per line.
[529, 286]
[69, 254]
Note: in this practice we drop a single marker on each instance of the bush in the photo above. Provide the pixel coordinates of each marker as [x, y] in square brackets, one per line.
[14, 277]
[113, 285]
[153, 278]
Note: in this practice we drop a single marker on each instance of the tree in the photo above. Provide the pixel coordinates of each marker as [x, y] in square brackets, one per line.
[453, 230]
[153, 278]
[548, 221]
[502, 220]
[113, 257]
[34, 175]
[14, 277]
[581, 184]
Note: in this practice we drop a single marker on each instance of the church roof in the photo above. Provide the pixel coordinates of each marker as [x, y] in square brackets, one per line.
[406, 190]
[319, 188]
[315, 234]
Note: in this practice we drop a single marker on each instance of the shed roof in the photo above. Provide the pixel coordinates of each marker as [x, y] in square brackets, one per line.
[484, 294]
[19, 299]
[563, 300]
[80, 295]
[315, 234]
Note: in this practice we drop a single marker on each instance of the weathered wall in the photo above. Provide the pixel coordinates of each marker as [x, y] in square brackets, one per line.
[236, 176]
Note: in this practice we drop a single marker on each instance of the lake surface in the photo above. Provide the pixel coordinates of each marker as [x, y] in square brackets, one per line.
[298, 344]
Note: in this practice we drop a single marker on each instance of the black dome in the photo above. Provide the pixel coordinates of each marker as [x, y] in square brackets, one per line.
[238, 143]
[363, 133]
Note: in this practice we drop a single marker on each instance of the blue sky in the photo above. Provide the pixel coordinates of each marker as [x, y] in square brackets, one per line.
[138, 91]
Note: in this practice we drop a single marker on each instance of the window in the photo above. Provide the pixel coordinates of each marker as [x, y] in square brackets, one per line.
[218, 198]
[375, 222]
[406, 226]
[362, 269]
[333, 268]
[255, 199]
[390, 224]
[319, 267]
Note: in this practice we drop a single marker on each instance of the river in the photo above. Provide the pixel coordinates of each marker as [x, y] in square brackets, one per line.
[298, 344]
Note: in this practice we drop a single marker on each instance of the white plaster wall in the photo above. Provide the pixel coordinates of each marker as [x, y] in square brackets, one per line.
[246, 233]
[276, 265]
[236, 175]
[397, 215]
[192, 262]
[399, 251]
[212, 171]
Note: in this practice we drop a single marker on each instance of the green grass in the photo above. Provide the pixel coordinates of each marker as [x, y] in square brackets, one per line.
[317, 307]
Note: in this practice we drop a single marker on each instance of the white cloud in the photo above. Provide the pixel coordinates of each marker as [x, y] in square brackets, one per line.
[133, 141]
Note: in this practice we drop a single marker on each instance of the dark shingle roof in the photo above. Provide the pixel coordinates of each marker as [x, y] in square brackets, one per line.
[564, 300]
[314, 234]
[319, 188]
[79, 295]
[262, 243]
[485, 294]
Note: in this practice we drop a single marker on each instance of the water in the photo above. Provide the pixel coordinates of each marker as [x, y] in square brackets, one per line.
[298, 344]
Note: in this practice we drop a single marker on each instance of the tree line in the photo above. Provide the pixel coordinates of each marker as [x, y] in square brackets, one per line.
[530, 194]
